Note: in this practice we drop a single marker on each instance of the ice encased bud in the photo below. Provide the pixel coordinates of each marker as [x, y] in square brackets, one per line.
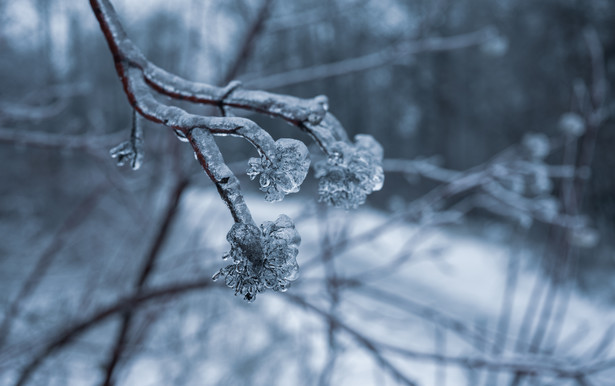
[284, 173]
[262, 258]
[129, 152]
[351, 172]
[281, 246]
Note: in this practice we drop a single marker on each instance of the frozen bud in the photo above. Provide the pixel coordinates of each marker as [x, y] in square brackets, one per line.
[536, 145]
[245, 240]
[284, 172]
[262, 258]
[351, 172]
[572, 124]
[129, 152]
[281, 245]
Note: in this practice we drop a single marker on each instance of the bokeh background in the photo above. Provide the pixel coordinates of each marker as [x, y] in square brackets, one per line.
[506, 281]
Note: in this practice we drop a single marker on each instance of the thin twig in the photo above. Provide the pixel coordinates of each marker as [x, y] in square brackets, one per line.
[362, 63]
[74, 219]
[144, 273]
[67, 335]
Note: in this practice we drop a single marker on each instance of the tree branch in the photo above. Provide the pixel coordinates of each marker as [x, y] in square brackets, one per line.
[385, 57]
[67, 335]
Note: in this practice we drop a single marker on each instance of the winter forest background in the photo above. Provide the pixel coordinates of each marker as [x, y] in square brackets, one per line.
[486, 259]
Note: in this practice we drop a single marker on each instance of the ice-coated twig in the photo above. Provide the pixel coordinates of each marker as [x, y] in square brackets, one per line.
[182, 121]
[228, 89]
[381, 58]
[211, 160]
[353, 170]
[126, 54]
[131, 151]
[140, 78]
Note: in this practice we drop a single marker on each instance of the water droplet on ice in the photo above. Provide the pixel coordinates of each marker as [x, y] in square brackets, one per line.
[180, 136]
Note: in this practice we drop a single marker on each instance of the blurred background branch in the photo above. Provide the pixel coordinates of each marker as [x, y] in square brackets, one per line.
[487, 259]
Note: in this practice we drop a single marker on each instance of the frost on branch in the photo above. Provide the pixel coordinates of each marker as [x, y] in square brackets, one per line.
[262, 258]
[351, 172]
[285, 172]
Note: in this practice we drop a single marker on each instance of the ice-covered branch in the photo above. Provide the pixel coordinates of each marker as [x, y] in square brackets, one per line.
[292, 109]
[210, 158]
[70, 333]
[140, 77]
[351, 172]
[131, 151]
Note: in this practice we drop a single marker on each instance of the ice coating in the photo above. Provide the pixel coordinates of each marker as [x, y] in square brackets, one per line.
[132, 151]
[351, 172]
[128, 152]
[284, 172]
[209, 156]
[262, 258]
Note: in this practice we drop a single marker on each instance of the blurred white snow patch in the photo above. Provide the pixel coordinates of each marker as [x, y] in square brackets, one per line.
[146, 371]
[20, 23]
[213, 337]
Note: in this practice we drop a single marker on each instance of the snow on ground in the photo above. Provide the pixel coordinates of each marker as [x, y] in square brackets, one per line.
[459, 275]
[215, 338]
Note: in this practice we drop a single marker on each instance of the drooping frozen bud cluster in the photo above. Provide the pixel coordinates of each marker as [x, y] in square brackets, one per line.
[285, 172]
[351, 172]
[262, 258]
